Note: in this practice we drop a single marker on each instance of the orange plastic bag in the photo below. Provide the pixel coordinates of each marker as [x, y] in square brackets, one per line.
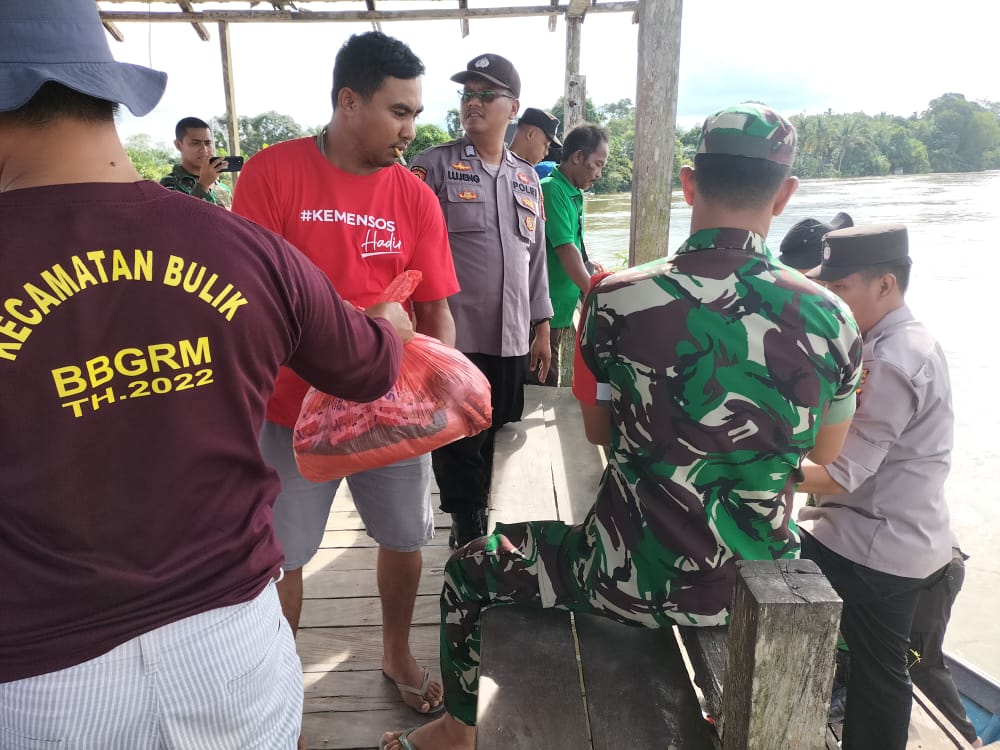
[439, 397]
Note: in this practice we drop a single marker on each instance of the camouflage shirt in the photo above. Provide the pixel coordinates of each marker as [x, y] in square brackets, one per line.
[183, 181]
[720, 364]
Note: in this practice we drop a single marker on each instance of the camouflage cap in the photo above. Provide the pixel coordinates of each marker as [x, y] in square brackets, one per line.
[751, 130]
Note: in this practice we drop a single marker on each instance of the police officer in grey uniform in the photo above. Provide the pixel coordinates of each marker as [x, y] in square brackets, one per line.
[492, 203]
[879, 528]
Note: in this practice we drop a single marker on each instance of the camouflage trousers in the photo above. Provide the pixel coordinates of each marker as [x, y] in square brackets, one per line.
[536, 564]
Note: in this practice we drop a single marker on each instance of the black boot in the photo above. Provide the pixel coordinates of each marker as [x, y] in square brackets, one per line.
[467, 526]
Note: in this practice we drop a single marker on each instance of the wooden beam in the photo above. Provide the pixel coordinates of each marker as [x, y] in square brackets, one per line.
[577, 8]
[228, 84]
[371, 9]
[553, 17]
[427, 14]
[199, 28]
[464, 20]
[655, 119]
[114, 31]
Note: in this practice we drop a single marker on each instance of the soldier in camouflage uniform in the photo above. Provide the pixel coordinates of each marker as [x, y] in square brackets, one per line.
[710, 375]
[196, 174]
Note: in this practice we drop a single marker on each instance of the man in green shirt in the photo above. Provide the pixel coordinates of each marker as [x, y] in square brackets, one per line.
[197, 175]
[585, 152]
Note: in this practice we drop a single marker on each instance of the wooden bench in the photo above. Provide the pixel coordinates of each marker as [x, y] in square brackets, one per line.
[603, 685]
[551, 680]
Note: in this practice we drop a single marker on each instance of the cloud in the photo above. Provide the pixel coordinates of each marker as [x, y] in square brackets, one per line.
[798, 56]
[712, 88]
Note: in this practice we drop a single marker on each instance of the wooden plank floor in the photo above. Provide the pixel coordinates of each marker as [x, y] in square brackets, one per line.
[348, 703]
[544, 468]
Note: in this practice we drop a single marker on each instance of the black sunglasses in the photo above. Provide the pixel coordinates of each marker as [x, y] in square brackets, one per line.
[484, 96]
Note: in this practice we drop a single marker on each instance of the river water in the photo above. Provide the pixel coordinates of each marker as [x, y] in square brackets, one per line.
[954, 232]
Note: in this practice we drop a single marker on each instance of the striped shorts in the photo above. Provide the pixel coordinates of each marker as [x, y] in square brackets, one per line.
[226, 679]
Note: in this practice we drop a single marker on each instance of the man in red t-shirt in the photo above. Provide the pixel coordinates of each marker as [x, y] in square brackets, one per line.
[343, 200]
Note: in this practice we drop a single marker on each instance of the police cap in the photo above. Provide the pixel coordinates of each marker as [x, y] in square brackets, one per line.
[543, 120]
[848, 251]
[493, 68]
[802, 247]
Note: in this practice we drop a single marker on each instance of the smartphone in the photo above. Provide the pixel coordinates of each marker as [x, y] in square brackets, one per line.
[235, 162]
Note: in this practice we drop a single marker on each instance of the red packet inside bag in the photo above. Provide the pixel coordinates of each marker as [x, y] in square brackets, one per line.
[439, 397]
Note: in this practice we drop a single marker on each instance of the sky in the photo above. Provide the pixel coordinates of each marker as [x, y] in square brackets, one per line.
[798, 56]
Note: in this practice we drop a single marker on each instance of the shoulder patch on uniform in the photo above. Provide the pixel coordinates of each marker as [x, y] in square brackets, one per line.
[523, 178]
[525, 201]
[419, 172]
[861, 383]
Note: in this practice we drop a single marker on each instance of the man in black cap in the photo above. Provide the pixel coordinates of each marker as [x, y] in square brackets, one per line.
[140, 338]
[802, 247]
[536, 133]
[879, 527]
[492, 204]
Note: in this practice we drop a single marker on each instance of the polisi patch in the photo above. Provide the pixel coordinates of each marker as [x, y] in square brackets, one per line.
[462, 166]
[520, 187]
[529, 223]
[419, 172]
[468, 195]
[523, 178]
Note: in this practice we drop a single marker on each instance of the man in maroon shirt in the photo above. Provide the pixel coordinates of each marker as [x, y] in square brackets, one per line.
[140, 335]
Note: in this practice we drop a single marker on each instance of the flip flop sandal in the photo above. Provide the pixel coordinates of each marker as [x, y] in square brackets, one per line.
[421, 691]
[403, 741]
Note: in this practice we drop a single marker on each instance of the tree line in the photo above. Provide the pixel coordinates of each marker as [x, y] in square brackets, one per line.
[951, 135]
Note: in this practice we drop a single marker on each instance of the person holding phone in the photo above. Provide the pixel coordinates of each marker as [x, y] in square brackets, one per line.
[199, 169]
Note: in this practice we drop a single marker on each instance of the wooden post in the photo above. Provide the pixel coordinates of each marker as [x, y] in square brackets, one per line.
[232, 125]
[574, 103]
[782, 636]
[575, 94]
[655, 118]
[464, 20]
